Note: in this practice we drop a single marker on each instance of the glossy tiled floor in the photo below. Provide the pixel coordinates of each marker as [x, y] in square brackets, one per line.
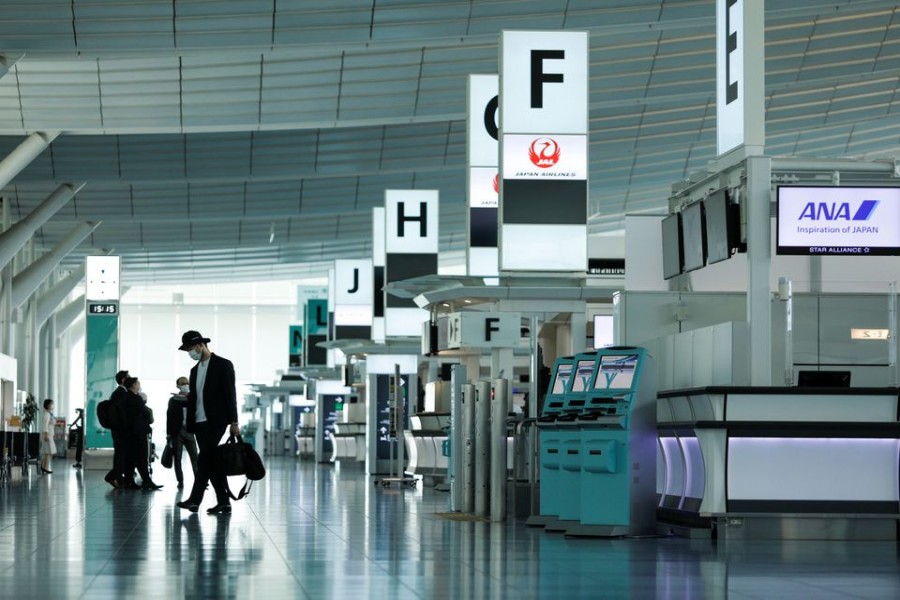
[319, 532]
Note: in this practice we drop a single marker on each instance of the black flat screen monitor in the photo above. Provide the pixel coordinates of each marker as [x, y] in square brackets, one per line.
[693, 237]
[673, 258]
[839, 379]
[723, 226]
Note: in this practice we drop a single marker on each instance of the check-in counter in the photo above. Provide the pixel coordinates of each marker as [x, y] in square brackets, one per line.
[305, 437]
[349, 442]
[424, 444]
[773, 462]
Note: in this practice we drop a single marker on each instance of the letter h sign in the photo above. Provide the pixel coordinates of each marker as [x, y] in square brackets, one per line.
[411, 221]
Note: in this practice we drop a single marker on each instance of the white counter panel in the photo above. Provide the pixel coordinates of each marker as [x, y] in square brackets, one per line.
[812, 468]
[812, 407]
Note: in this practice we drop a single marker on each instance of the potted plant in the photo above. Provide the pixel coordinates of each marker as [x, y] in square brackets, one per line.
[29, 414]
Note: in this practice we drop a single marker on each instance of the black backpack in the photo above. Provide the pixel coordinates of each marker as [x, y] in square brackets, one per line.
[108, 414]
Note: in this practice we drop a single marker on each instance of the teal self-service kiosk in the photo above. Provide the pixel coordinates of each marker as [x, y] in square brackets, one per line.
[618, 446]
[550, 498]
[571, 453]
[598, 444]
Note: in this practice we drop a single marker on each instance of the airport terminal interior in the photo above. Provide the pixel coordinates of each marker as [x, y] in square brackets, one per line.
[588, 299]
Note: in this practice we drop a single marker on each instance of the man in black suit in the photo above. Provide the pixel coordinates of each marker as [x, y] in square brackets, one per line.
[211, 410]
[122, 473]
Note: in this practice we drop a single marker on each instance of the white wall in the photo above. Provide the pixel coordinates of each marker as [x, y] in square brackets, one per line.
[248, 323]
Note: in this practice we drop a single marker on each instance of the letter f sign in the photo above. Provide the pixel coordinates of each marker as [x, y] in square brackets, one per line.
[538, 77]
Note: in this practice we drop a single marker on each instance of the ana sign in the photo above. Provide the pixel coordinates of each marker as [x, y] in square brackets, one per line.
[855, 221]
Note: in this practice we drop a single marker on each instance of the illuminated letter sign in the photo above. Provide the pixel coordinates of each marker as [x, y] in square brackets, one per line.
[544, 151]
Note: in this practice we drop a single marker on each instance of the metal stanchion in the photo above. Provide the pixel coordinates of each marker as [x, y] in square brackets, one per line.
[482, 447]
[499, 410]
[468, 472]
[457, 451]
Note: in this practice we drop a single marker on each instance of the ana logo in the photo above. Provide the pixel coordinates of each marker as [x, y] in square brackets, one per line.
[495, 183]
[544, 152]
[837, 211]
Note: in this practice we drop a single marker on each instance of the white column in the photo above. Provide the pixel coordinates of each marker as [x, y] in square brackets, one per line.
[759, 293]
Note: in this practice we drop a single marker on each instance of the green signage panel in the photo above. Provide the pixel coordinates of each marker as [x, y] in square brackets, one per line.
[295, 343]
[101, 364]
[316, 321]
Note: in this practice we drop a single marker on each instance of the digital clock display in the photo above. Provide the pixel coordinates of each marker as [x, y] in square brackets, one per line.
[103, 309]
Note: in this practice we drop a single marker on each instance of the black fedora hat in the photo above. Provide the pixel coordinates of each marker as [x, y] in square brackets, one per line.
[192, 338]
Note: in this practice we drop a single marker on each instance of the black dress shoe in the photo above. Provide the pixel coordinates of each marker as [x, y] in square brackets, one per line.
[43, 470]
[188, 505]
[151, 486]
[219, 509]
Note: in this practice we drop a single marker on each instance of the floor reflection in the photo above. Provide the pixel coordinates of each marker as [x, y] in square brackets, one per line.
[313, 531]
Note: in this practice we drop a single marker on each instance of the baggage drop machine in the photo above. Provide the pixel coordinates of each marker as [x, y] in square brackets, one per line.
[571, 453]
[618, 446]
[550, 500]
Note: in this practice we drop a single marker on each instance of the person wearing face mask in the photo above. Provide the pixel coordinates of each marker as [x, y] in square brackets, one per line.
[177, 435]
[212, 411]
[138, 418]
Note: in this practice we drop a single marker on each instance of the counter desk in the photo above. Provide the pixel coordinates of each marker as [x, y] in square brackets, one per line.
[776, 462]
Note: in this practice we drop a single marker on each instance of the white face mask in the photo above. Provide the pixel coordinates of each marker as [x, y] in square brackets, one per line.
[184, 388]
[194, 354]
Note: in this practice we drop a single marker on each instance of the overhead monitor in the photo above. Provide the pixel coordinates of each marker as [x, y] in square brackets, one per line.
[584, 372]
[561, 378]
[616, 372]
[693, 237]
[673, 258]
[838, 221]
[723, 226]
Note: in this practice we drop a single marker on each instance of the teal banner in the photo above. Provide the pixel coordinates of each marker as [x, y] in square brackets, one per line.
[101, 364]
[316, 321]
[295, 343]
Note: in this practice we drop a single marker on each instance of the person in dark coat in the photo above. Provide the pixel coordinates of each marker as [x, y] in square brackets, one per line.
[212, 411]
[121, 475]
[177, 435]
[138, 418]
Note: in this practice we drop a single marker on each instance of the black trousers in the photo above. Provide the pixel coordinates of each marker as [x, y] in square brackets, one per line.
[140, 459]
[123, 464]
[79, 447]
[208, 438]
[183, 441]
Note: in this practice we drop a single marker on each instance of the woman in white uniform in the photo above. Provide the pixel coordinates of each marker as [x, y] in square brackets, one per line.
[48, 445]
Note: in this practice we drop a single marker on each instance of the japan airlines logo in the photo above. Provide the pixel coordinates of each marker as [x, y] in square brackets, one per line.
[544, 152]
[495, 183]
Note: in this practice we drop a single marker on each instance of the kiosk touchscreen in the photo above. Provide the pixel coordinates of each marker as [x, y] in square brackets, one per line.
[559, 384]
[581, 382]
[616, 372]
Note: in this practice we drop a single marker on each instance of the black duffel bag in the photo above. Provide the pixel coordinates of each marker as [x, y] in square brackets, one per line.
[237, 457]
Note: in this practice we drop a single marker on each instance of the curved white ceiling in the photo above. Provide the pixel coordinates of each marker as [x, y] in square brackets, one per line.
[203, 126]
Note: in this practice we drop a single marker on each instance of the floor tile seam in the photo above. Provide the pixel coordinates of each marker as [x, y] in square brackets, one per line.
[815, 586]
[281, 554]
[322, 525]
[117, 549]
